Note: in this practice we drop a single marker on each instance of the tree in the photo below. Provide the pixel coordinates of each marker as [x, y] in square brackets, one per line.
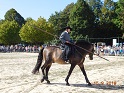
[107, 28]
[1, 21]
[55, 19]
[28, 19]
[120, 15]
[108, 11]
[65, 14]
[61, 19]
[9, 32]
[81, 18]
[30, 31]
[12, 14]
[96, 6]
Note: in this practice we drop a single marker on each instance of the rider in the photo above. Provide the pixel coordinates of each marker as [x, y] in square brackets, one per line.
[65, 39]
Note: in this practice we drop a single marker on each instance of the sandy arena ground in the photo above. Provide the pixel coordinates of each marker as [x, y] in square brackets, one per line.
[16, 76]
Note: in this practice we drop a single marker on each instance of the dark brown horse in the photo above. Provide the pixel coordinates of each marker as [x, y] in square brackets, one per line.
[52, 54]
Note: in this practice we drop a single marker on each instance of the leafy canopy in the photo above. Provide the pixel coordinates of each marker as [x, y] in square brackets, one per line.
[12, 14]
[9, 32]
[29, 32]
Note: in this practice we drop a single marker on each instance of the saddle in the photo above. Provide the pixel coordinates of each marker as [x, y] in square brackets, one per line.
[62, 47]
[67, 52]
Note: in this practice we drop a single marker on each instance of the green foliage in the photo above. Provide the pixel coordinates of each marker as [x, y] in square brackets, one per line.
[75, 36]
[55, 41]
[88, 18]
[1, 21]
[30, 31]
[9, 32]
[120, 13]
[96, 6]
[55, 20]
[60, 19]
[106, 26]
[66, 13]
[108, 11]
[81, 18]
[12, 14]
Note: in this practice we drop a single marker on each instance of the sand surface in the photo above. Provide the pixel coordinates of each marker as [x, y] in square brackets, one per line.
[16, 76]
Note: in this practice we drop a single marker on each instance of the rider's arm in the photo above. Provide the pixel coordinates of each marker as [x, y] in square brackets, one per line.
[62, 37]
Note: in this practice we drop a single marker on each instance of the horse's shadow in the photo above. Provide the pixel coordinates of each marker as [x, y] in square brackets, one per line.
[96, 86]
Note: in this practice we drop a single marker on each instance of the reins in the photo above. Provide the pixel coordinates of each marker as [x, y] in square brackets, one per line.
[90, 52]
[69, 43]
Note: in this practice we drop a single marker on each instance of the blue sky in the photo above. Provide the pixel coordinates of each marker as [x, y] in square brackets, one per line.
[34, 8]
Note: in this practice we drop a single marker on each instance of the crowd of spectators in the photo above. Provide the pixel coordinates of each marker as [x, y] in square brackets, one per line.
[19, 48]
[102, 50]
[110, 50]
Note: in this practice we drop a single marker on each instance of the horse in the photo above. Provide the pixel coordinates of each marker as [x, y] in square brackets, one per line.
[52, 54]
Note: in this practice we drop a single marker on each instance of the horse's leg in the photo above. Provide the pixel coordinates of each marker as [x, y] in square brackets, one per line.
[84, 72]
[46, 77]
[46, 67]
[43, 73]
[69, 73]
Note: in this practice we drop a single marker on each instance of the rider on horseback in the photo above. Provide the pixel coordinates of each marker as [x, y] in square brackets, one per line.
[65, 39]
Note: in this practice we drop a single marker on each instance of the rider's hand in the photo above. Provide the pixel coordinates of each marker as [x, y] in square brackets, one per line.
[67, 42]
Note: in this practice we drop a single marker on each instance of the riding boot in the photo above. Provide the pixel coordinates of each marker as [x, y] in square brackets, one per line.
[67, 54]
[64, 55]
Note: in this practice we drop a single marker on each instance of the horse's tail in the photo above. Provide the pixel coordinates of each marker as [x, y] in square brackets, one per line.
[39, 62]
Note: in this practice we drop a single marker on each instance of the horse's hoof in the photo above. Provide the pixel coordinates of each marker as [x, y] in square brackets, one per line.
[35, 72]
[42, 80]
[89, 84]
[48, 82]
[67, 84]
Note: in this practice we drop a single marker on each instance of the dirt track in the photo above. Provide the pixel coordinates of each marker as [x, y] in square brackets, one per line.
[16, 76]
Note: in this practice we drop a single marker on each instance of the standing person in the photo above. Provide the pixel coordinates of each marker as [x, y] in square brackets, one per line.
[66, 40]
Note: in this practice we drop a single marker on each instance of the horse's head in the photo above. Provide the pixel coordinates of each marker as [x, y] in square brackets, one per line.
[86, 48]
[91, 52]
